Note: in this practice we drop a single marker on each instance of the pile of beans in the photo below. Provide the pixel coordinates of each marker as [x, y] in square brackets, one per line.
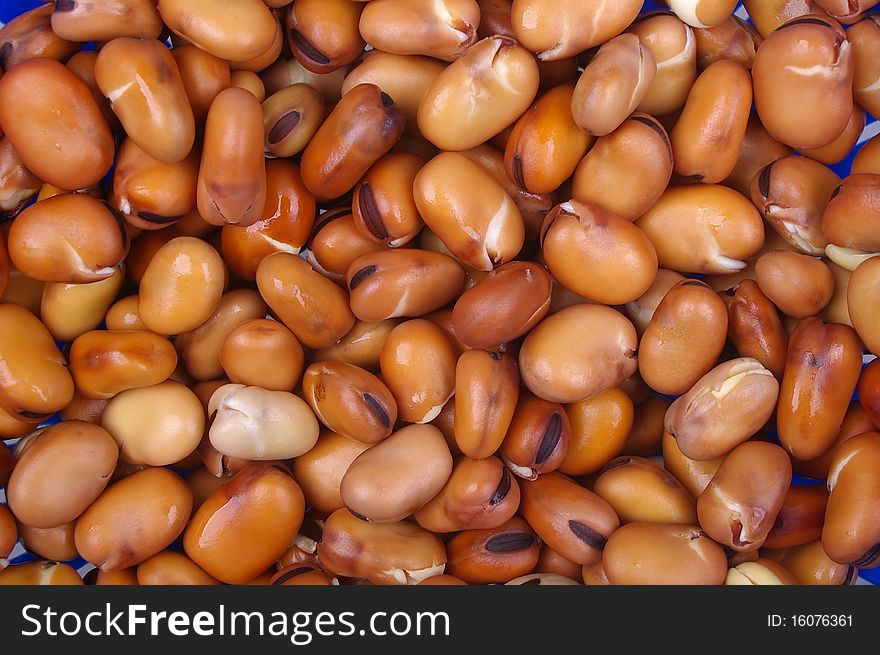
[449, 292]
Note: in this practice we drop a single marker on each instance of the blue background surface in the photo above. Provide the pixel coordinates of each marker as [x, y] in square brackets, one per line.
[11, 8]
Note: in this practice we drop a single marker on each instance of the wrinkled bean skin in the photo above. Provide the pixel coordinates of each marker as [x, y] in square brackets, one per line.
[171, 568]
[482, 92]
[487, 389]
[418, 366]
[821, 372]
[800, 519]
[479, 495]
[262, 352]
[443, 30]
[17, 183]
[791, 193]
[809, 59]
[558, 366]
[754, 326]
[151, 194]
[850, 216]
[693, 474]
[572, 520]
[553, 35]
[61, 471]
[703, 229]
[739, 506]
[361, 128]
[597, 254]
[863, 301]
[599, 427]
[70, 238]
[55, 125]
[155, 111]
[323, 34]
[725, 407]
[658, 553]
[641, 491]
[612, 85]
[495, 555]
[852, 526]
[106, 362]
[203, 75]
[683, 339]
[733, 39]
[538, 437]
[40, 573]
[768, 15]
[35, 382]
[232, 175]
[320, 470]
[30, 36]
[799, 285]
[316, 310]
[200, 348]
[69, 310]
[707, 138]
[236, 31]
[399, 553]
[627, 171]
[255, 424]
[134, 519]
[179, 301]
[810, 565]
[396, 477]
[350, 401]
[103, 20]
[245, 526]
[402, 282]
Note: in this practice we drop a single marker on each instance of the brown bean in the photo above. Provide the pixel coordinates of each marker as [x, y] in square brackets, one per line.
[759, 149]
[863, 296]
[733, 39]
[40, 573]
[203, 75]
[810, 565]
[537, 439]
[849, 219]
[264, 353]
[320, 470]
[599, 428]
[822, 369]
[55, 544]
[798, 284]
[646, 435]
[323, 34]
[134, 519]
[360, 346]
[496, 555]
[285, 72]
[864, 37]
[642, 309]
[768, 15]
[693, 474]
[171, 568]
[291, 117]
[836, 151]
[754, 326]
[740, 505]
[800, 519]
[383, 206]
[297, 575]
[102, 21]
[846, 12]
[442, 580]
[855, 422]
[762, 571]
[30, 35]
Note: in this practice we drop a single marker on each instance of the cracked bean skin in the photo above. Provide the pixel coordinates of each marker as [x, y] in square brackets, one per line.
[808, 58]
[739, 506]
[694, 475]
[599, 428]
[71, 238]
[246, 525]
[30, 35]
[639, 490]
[323, 34]
[320, 470]
[799, 285]
[62, 470]
[394, 478]
[800, 519]
[707, 138]
[40, 573]
[171, 568]
[558, 366]
[810, 565]
[768, 15]
[863, 301]
[262, 352]
[659, 553]
[497, 71]
[316, 310]
[755, 327]
[597, 254]
[362, 127]
[402, 282]
[256, 424]
[551, 34]
[627, 171]
[612, 85]
[35, 382]
[399, 553]
[683, 339]
[133, 519]
[155, 111]
[849, 220]
[724, 408]
[201, 348]
[538, 437]
[17, 184]
[503, 306]
[383, 206]
[822, 369]
[88, 20]
[350, 401]
[418, 365]
[703, 229]
[851, 532]
[70, 310]
[469, 211]
[443, 30]
[479, 495]
[181, 287]
[106, 362]
[572, 520]
[495, 555]
[232, 184]
[487, 389]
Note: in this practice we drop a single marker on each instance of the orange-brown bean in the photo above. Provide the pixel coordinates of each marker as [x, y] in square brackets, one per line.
[538, 437]
[40, 572]
[863, 301]
[768, 15]
[264, 353]
[799, 285]
[320, 471]
[323, 34]
[69, 310]
[495, 555]
[599, 428]
[383, 206]
[17, 183]
[850, 220]
[810, 565]
[754, 326]
[758, 150]
[361, 345]
[839, 148]
[291, 117]
[203, 75]
[733, 39]
[646, 435]
[800, 519]
[103, 20]
[54, 544]
[171, 568]
[30, 35]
